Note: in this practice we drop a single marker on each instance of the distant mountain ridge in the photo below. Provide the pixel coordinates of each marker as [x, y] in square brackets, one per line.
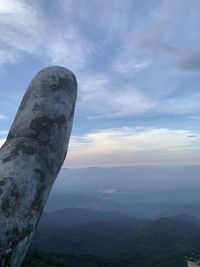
[78, 216]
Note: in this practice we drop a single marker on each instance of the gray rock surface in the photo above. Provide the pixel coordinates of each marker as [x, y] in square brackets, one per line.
[32, 157]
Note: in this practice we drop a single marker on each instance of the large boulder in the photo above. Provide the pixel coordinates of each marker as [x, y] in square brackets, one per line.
[31, 158]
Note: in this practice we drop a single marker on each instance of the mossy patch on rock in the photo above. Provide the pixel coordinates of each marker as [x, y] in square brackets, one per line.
[61, 84]
[10, 200]
[44, 124]
[19, 148]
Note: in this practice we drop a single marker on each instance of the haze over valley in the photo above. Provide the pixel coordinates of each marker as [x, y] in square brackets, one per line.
[138, 191]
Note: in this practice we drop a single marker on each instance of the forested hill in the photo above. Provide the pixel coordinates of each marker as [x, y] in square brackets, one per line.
[120, 242]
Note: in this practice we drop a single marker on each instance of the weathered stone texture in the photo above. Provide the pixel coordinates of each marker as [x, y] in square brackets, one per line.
[32, 157]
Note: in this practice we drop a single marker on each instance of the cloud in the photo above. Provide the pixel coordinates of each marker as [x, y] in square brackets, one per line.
[80, 44]
[3, 132]
[194, 117]
[129, 65]
[109, 191]
[26, 29]
[65, 35]
[168, 35]
[138, 81]
[117, 99]
[128, 103]
[8, 56]
[151, 34]
[19, 29]
[2, 117]
[123, 59]
[112, 98]
[2, 141]
[60, 33]
[169, 27]
[180, 105]
[130, 146]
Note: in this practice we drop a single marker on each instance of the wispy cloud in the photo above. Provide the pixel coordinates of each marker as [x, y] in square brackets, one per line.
[129, 146]
[68, 37]
[182, 105]
[114, 99]
[129, 64]
[20, 31]
[194, 117]
[26, 30]
[127, 55]
[3, 132]
[3, 117]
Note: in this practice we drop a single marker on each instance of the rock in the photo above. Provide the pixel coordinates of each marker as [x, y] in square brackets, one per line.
[32, 157]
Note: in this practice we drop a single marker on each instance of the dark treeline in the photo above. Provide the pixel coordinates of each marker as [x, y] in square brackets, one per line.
[123, 242]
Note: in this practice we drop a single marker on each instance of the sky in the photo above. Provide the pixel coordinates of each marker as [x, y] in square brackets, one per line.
[137, 65]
